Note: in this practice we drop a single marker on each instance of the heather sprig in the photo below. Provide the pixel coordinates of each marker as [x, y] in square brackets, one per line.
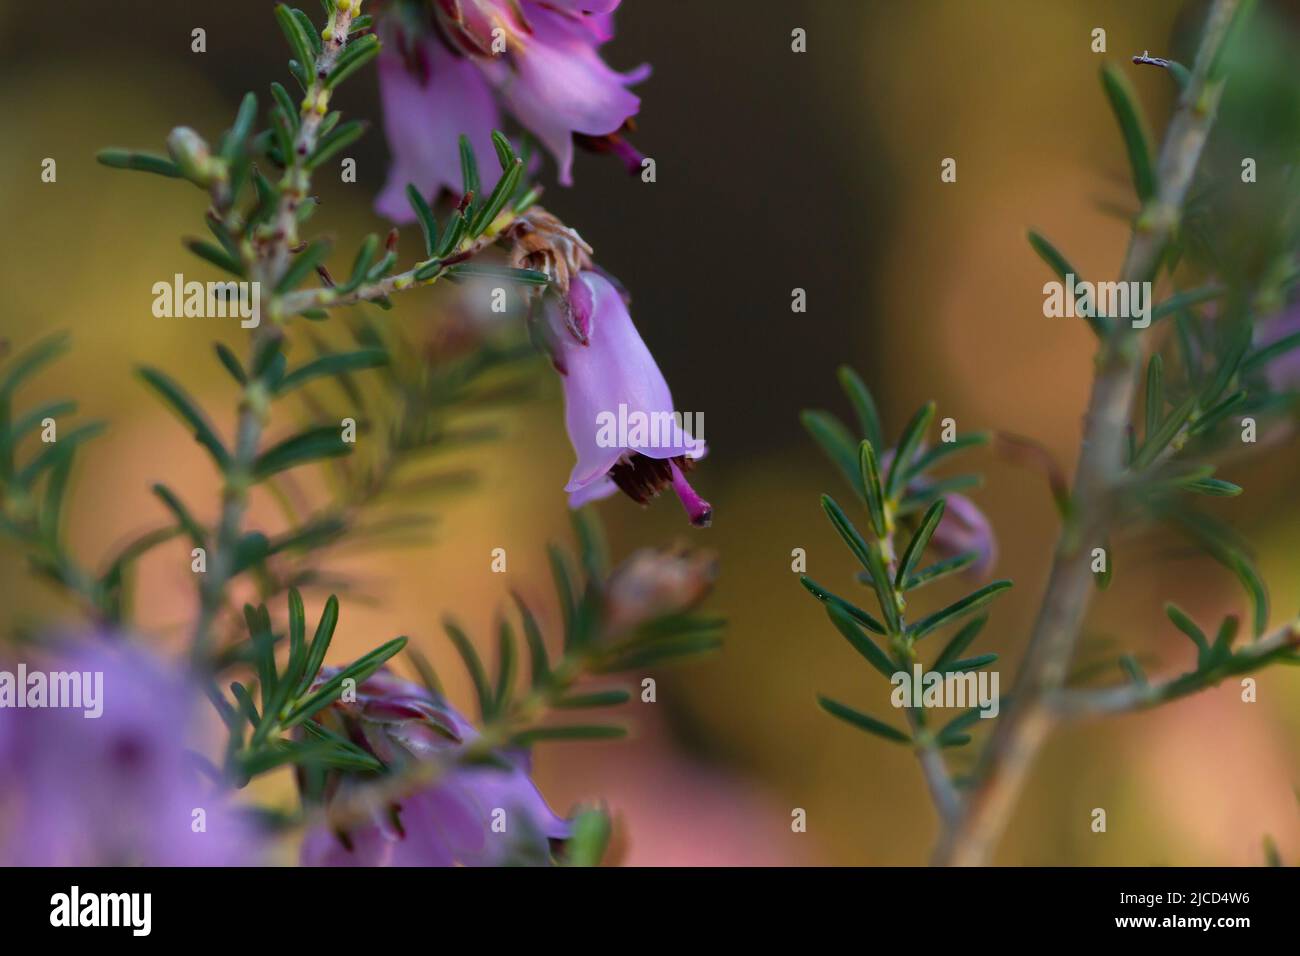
[255, 219]
[1202, 378]
[407, 398]
[901, 502]
[608, 630]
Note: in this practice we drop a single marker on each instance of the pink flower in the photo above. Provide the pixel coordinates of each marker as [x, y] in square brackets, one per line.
[611, 378]
[963, 528]
[469, 814]
[113, 784]
[617, 407]
[537, 60]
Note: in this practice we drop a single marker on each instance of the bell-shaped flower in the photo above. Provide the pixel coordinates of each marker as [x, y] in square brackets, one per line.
[468, 813]
[618, 409]
[455, 74]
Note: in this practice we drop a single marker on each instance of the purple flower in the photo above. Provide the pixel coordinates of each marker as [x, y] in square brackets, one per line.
[429, 100]
[963, 527]
[475, 815]
[117, 789]
[618, 409]
[537, 60]
[617, 406]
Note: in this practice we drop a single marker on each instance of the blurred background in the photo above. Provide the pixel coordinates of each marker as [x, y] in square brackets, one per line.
[775, 170]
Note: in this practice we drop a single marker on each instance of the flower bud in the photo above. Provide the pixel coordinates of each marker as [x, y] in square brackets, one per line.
[192, 155]
[654, 582]
[463, 813]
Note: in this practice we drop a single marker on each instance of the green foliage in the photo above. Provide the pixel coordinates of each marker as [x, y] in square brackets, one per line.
[586, 647]
[263, 739]
[890, 502]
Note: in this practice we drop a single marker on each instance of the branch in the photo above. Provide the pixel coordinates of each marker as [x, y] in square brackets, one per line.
[1140, 696]
[1023, 727]
[424, 273]
[267, 266]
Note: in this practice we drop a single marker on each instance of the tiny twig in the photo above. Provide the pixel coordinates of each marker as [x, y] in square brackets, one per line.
[1082, 703]
[1148, 60]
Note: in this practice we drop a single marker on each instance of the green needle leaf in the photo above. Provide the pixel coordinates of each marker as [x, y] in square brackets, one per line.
[916, 547]
[855, 612]
[140, 162]
[244, 119]
[474, 665]
[857, 544]
[505, 666]
[468, 167]
[339, 138]
[1214, 487]
[941, 569]
[1133, 127]
[861, 643]
[602, 698]
[1061, 266]
[540, 668]
[1187, 626]
[960, 641]
[358, 671]
[188, 411]
[354, 56]
[902, 465]
[525, 276]
[862, 721]
[1155, 400]
[870, 469]
[970, 664]
[312, 445]
[864, 405]
[1255, 589]
[320, 643]
[336, 363]
[423, 215]
[299, 38]
[302, 265]
[971, 602]
[834, 439]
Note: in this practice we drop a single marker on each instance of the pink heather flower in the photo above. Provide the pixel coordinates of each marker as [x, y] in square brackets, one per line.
[618, 410]
[609, 374]
[963, 526]
[448, 821]
[118, 789]
[445, 79]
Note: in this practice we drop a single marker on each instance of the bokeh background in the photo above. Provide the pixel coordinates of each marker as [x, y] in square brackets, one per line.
[775, 171]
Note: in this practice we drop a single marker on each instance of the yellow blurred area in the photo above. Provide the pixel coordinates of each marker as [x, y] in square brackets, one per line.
[714, 771]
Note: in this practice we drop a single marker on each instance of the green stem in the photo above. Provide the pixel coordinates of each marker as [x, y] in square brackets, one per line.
[267, 265]
[1282, 643]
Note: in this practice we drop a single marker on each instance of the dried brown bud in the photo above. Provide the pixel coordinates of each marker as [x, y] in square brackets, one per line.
[656, 581]
[543, 243]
